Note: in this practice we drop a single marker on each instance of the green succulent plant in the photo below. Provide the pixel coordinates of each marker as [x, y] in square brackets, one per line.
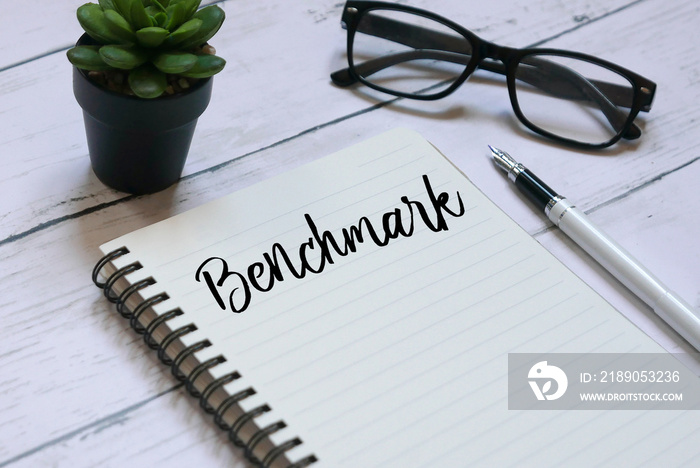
[149, 40]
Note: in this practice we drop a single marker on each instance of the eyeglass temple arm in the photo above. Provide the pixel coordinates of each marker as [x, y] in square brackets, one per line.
[415, 36]
[569, 84]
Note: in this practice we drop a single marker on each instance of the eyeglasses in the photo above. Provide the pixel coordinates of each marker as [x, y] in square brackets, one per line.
[567, 96]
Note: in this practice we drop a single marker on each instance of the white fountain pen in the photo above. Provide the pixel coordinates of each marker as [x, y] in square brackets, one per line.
[575, 224]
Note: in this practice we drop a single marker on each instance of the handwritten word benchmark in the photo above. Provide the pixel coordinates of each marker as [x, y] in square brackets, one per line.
[277, 264]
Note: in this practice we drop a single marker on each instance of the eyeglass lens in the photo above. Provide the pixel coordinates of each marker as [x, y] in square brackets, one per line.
[565, 96]
[572, 98]
[406, 60]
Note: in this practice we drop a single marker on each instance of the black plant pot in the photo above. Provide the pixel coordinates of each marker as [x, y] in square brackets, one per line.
[138, 145]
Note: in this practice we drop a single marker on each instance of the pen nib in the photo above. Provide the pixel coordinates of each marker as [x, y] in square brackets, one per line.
[503, 160]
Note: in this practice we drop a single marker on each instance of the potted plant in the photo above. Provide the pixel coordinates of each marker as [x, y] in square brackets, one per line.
[143, 75]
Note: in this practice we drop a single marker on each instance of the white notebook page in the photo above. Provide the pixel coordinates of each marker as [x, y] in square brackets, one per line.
[392, 355]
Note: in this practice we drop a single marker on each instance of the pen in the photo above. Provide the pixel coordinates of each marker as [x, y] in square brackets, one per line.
[575, 224]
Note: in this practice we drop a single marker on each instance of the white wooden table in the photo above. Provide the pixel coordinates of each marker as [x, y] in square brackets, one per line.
[78, 388]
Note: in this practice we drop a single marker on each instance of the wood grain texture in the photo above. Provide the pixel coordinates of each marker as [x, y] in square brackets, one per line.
[79, 389]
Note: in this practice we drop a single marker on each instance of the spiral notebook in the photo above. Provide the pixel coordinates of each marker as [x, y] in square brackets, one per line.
[358, 311]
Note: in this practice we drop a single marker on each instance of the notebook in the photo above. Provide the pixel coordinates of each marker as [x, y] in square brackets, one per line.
[359, 311]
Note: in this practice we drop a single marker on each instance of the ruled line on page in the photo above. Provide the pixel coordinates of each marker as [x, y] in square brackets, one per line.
[427, 439]
[531, 429]
[281, 235]
[428, 394]
[348, 264]
[290, 391]
[364, 357]
[243, 247]
[446, 360]
[445, 406]
[361, 257]
[386, 155]
[497, 426]
[432, 283]
[359, 318]
[276, 218]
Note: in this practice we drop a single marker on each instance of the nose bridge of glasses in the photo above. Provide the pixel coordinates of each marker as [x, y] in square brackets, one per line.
[492, 57]
[489, 56]
[490, 50]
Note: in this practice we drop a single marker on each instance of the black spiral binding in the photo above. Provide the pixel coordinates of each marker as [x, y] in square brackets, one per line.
[219, 413]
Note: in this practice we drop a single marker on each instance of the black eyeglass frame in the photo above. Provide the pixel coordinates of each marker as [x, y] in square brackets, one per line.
[643, 89]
